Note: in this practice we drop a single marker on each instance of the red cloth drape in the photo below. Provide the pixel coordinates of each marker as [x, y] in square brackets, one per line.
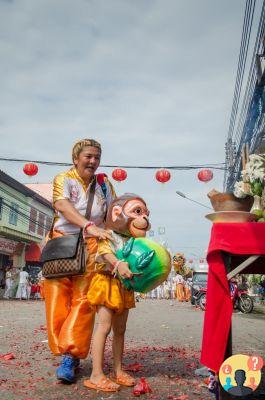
[238, 239]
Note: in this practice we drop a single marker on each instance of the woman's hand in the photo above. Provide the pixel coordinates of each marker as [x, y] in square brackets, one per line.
[124, 271]
[97, 232]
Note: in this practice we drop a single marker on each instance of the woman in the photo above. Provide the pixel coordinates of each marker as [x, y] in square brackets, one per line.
[70, 320]
[8, 284]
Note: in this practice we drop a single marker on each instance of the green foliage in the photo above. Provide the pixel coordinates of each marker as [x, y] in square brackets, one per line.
[257, 188]
[254, 279]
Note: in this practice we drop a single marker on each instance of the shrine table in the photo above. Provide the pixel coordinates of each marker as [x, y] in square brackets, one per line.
[230, 244]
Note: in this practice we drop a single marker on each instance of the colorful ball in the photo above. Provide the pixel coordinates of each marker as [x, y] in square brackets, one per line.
[148, 259]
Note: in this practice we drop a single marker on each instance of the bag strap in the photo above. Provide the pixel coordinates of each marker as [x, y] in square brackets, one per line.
[90, 198]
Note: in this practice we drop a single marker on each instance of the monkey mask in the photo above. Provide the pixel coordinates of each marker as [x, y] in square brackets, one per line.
[128, 216]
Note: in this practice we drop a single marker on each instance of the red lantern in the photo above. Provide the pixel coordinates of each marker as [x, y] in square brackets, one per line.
[119, 174]
[30, 169]
[163, 175]
[205, 175]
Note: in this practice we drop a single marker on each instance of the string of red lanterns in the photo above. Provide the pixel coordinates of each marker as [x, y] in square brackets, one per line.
[119, 174]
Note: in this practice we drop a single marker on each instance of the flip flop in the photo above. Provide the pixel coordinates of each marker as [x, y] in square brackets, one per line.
[123, 379]
[104, 385]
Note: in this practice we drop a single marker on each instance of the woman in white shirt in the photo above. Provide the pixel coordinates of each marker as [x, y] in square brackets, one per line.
[8, 284]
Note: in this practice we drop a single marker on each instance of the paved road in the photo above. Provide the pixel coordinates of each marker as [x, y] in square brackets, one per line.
[164, 339]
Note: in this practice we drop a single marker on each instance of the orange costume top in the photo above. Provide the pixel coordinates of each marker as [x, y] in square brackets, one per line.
[105, 290]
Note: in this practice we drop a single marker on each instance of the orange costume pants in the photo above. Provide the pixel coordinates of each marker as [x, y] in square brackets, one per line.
[70, 319]
[187, 293]
[180, 292]
[41, 285]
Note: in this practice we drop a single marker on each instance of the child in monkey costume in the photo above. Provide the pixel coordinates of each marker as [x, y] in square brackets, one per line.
[127, 217]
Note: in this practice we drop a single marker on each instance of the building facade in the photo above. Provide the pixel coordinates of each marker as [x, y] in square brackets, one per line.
[25, 219]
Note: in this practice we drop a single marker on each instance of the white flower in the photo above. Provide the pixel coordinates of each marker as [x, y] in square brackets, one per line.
[239, 190]
[259, 174]
[256, 158]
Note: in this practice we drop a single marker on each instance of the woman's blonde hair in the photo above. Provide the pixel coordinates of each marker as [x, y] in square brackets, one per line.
[78, 147]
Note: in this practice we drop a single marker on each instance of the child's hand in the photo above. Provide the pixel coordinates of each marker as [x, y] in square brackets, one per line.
[124, 271]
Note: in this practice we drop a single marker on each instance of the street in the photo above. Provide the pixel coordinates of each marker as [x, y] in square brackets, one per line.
[164, 340]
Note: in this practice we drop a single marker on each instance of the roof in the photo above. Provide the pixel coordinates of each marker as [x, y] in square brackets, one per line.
[11, 182]
[43, 189]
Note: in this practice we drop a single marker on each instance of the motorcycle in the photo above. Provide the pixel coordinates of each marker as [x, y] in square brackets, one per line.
[240, 298]
[200, 298]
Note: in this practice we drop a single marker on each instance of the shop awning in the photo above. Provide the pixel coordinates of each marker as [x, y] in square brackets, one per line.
[32, 252]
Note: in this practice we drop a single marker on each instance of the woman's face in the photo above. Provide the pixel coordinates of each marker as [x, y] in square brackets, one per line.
[87, 162]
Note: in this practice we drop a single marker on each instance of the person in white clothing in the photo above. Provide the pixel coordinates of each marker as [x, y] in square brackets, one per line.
[173, 290]
[159, 292]
[166, 290]
[22, 291]
[8, 284]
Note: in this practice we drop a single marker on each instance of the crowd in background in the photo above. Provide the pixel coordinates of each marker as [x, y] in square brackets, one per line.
[20, 285]
[176, 287]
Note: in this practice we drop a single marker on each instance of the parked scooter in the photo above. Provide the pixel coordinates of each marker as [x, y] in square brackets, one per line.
[200, 298]
[240, 298]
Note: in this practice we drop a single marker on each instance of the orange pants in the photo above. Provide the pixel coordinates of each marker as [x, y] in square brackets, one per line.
[187, 293]
[180, 292]
[41, 285]
[70, 319]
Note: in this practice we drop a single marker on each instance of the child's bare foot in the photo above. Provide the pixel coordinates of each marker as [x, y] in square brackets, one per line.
[122, 378]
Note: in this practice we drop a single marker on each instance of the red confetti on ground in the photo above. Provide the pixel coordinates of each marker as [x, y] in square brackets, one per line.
[141, 388]
[8, 356]
[133, 367]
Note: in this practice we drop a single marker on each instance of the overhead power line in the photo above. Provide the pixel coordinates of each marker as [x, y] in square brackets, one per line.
[220, 166]
[246, 32]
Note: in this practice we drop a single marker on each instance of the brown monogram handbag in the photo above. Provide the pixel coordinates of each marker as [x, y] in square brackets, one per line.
[66, 255]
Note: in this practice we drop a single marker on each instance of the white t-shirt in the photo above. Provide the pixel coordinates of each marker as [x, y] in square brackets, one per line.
[179, 279]
[70, 186]
[23, 277]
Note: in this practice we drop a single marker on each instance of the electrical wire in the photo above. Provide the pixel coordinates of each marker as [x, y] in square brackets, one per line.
[246, 33]
[240, 135]
[220, 166]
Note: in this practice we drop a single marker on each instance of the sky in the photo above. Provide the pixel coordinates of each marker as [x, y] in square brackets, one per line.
[151, 80]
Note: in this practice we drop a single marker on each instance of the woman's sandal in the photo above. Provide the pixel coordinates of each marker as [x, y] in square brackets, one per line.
[123, 379]
[104, 385]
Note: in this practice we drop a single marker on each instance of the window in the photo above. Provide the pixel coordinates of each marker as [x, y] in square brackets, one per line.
[13, 214]
[32, 219]
[41, 220]
[48, 224]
